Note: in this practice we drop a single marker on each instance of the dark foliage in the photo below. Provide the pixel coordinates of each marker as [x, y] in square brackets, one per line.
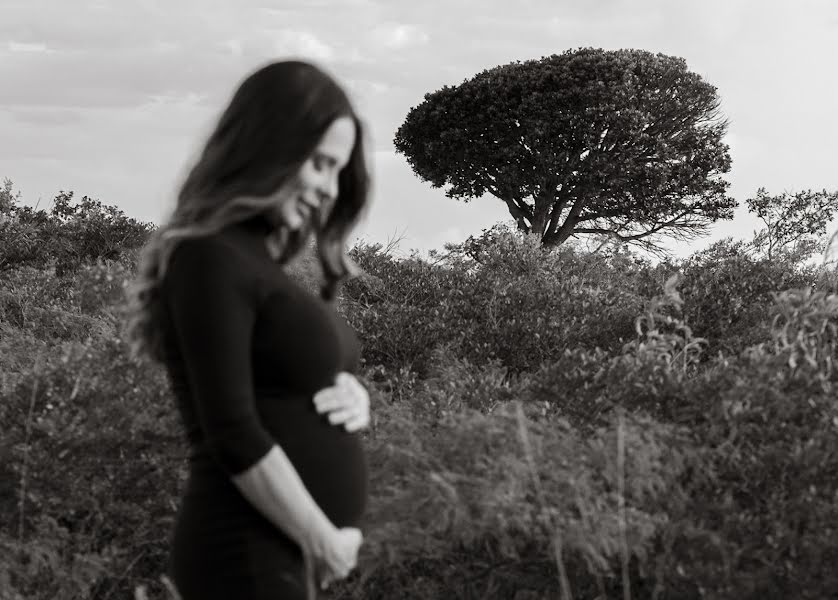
[622, 143]
[68, 236]
[542, 422]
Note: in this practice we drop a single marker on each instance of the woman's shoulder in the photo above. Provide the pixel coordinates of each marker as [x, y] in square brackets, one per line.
[228, 258]
[202, 247]
[211, 255]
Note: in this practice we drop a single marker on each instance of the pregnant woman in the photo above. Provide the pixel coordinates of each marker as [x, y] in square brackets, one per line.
[262, 371]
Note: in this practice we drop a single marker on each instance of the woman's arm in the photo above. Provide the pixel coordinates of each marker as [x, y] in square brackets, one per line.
[273, 486]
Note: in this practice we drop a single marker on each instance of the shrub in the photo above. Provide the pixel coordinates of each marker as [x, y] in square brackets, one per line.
[90, 466]
[648, 377]
[805, 330]
[400, 309]
[495, 493]
[86, 303]
[727, 294]
[70, 235]
[521, 307]
[768, 427]
[540, 420]
[765, 495]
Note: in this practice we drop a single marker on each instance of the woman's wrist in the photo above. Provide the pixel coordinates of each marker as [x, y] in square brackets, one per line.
[317, 531]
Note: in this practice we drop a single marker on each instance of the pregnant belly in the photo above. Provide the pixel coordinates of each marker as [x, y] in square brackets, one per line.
[330, 461]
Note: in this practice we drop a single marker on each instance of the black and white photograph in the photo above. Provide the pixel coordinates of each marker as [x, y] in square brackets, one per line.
[394, 300]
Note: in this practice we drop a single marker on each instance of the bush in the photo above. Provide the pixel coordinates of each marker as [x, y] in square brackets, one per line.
[765, 496]
[521, 307]
[494, 493]
[84, 304]
[400, 309]
[540, 420]
[69, 235]
[91, 465]
[727, 294]
[768, 424]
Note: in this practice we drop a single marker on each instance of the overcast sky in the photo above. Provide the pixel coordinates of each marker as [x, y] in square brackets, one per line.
[113, 99]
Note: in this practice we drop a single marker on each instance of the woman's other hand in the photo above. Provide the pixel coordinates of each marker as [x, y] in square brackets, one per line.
[347, 403]
[335, 558]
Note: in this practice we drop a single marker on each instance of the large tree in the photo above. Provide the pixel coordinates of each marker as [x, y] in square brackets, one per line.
[622, 143]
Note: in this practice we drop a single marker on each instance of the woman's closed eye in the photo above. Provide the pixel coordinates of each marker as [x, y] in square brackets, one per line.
[319, 162]
[323, 161]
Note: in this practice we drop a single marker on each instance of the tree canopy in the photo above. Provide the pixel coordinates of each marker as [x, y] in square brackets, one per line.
[622, 143]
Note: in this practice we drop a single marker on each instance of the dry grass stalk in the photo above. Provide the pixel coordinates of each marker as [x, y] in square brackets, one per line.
[25, 467]
[564, 581]
[621, 490]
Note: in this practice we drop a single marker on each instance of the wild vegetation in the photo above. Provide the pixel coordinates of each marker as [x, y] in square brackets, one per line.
[546, 423]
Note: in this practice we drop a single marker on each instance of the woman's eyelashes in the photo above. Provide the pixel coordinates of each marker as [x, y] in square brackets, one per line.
[319, 162]
[322, 162]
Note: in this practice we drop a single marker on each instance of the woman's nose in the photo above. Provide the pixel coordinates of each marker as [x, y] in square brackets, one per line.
[328, 188]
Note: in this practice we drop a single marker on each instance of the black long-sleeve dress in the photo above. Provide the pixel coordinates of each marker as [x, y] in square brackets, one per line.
[246, 349]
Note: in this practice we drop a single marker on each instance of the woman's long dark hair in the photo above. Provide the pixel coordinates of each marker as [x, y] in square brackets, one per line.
[272, 124]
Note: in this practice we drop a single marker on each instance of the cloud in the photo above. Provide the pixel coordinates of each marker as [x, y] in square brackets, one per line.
[302, 43]
[366, 91]
[121, 78]
[27, 47]
[104, 54]
[44, 115]
[399, 35]
[164, 46]
[234, 46]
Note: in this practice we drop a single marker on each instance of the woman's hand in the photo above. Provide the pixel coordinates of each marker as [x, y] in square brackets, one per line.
[346, 402]
[336, 557]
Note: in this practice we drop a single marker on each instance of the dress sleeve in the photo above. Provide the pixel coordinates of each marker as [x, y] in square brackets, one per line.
[213, 315]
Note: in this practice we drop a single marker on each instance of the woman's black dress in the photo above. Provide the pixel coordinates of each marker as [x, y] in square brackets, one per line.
[247, 348]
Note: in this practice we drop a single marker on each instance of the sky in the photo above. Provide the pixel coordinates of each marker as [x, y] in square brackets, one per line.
[114, 99]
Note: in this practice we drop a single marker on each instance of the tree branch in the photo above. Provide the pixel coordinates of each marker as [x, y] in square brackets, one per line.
[517, 209]
[630, 238]
[567, 228]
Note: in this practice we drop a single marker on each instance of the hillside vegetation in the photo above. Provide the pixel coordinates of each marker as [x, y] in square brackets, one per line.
[560, 424]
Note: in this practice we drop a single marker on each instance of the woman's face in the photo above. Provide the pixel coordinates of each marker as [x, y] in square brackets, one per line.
[315, 186]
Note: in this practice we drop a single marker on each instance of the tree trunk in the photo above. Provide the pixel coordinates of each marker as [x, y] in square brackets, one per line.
[565, 230]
